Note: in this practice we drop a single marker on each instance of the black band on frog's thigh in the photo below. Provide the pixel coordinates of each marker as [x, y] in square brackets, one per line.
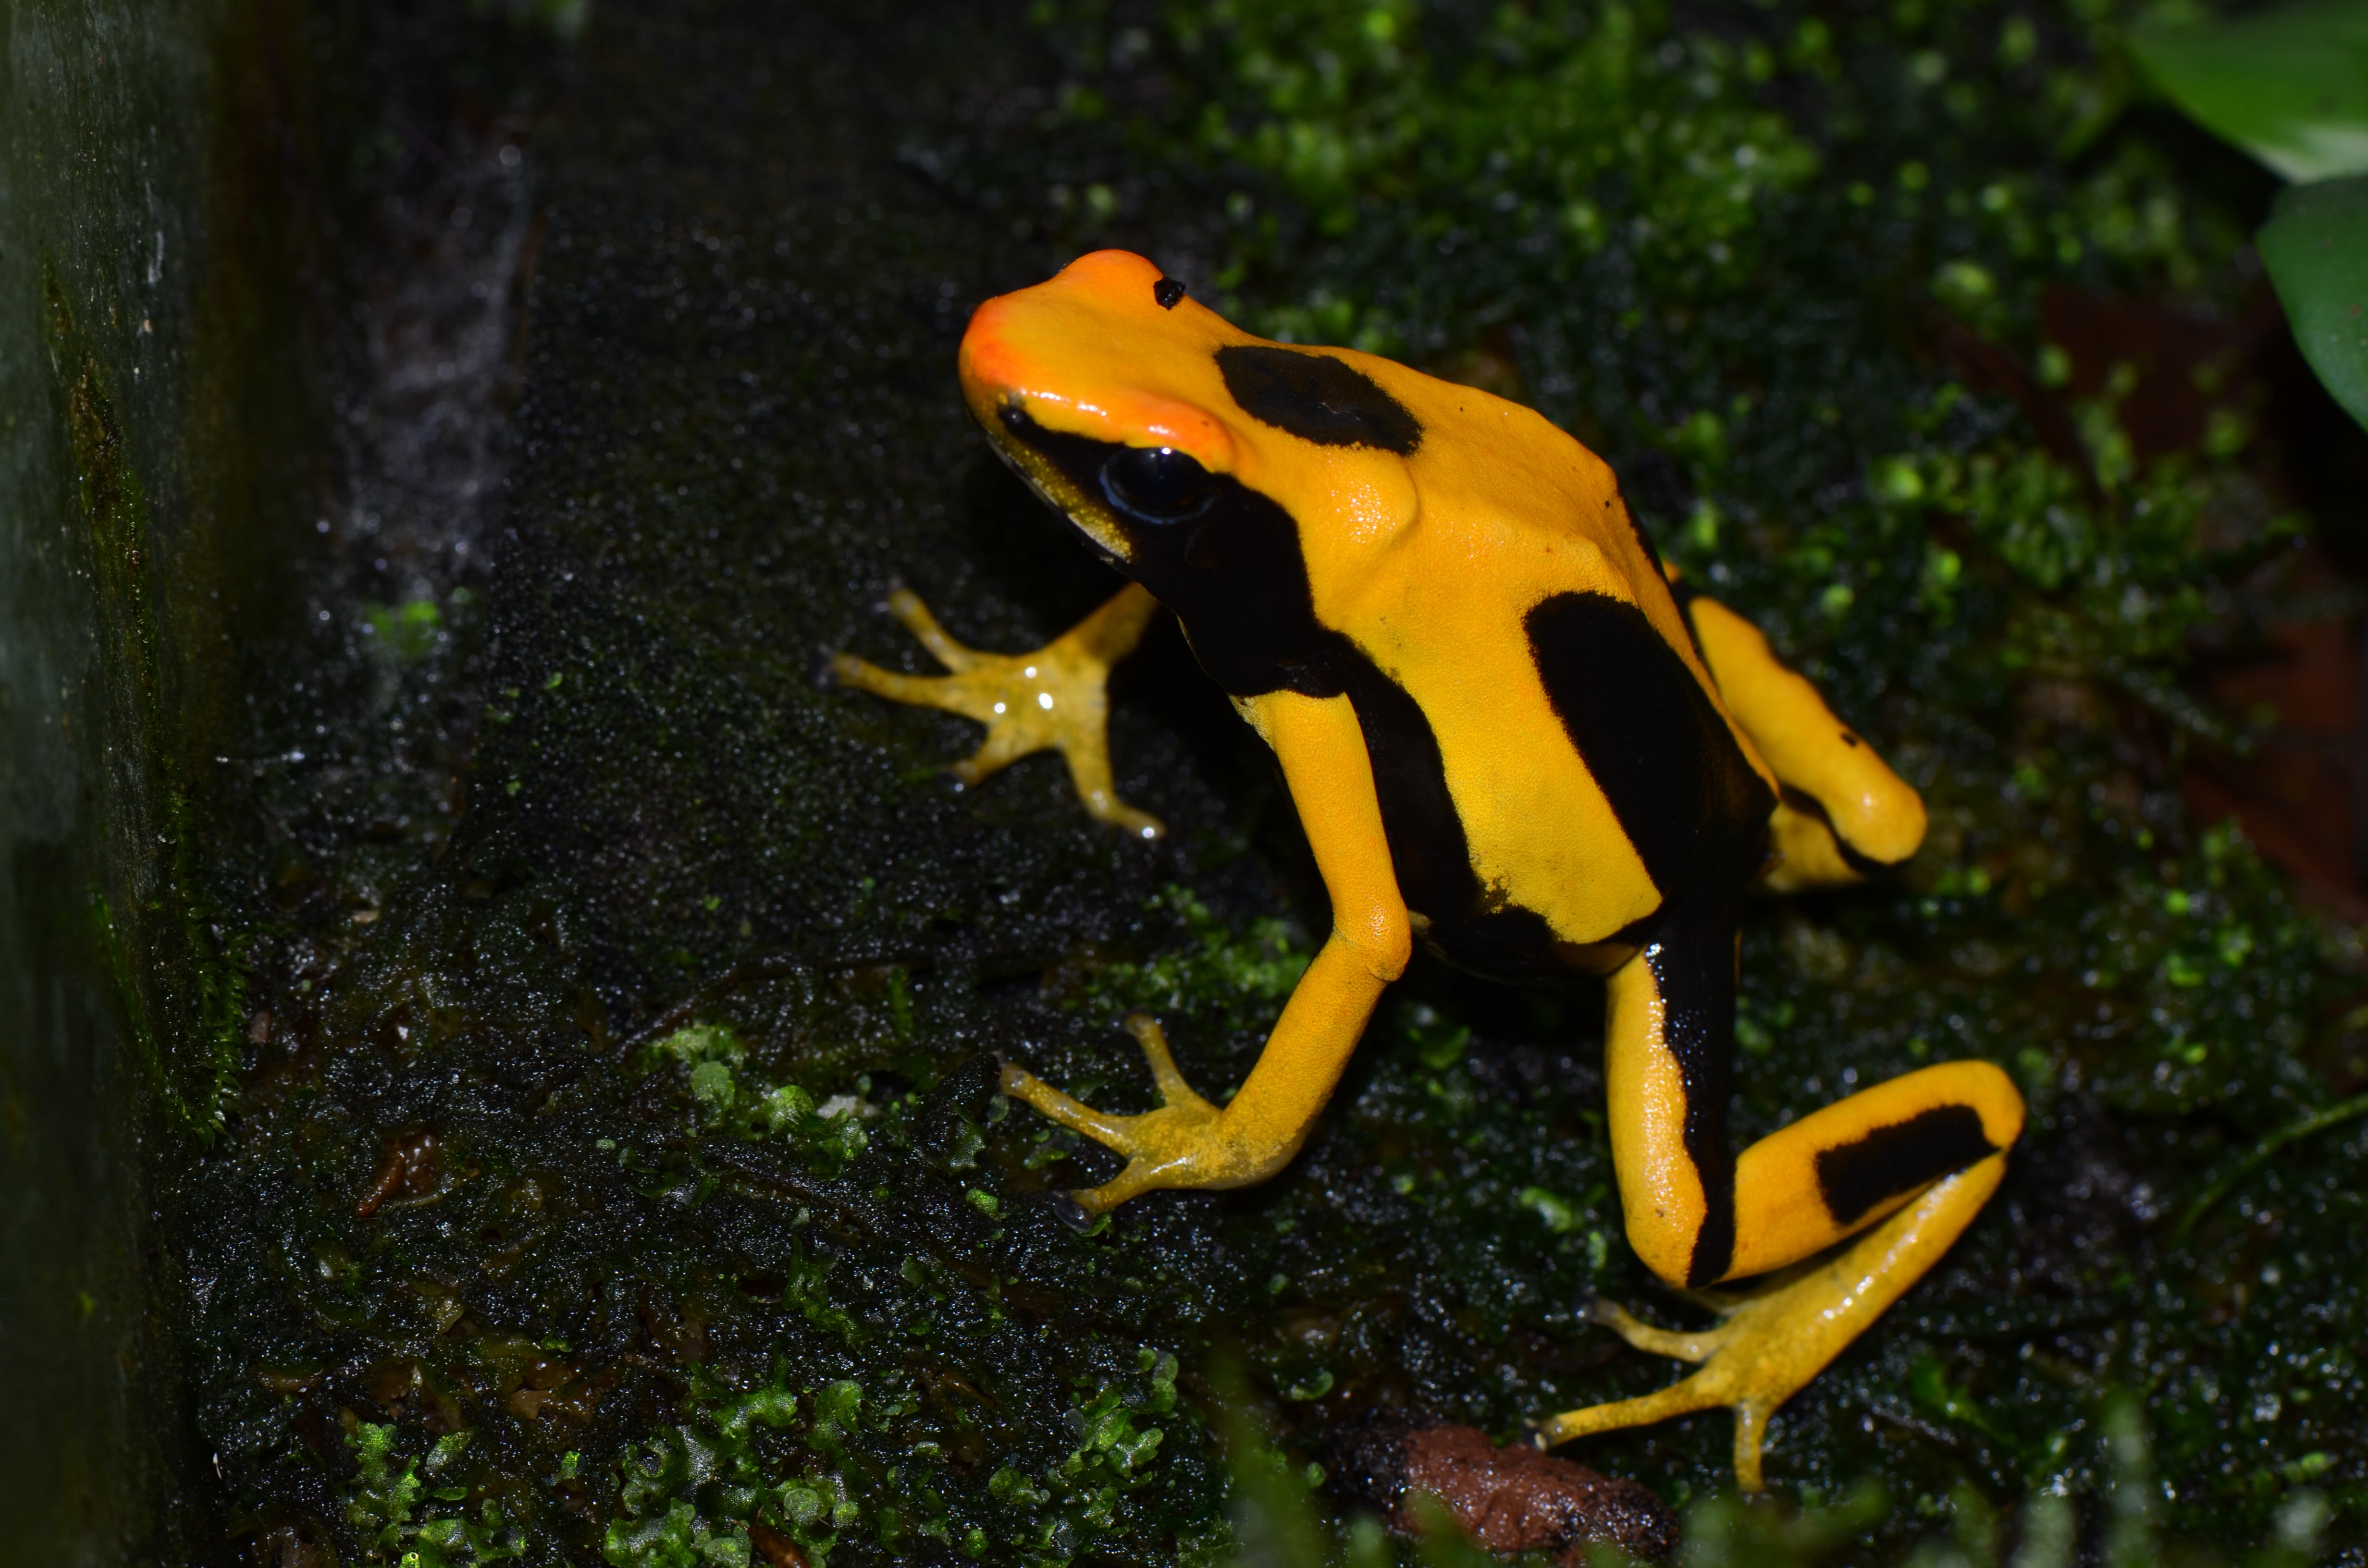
[1886, 1162]
[1691, 958]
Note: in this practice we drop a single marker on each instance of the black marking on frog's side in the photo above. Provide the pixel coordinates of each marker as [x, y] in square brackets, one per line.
[1429, 851]
[1427, 843]
[1168, 293]
[1887, 1162]
[1316, 398]
[1651, 737]
[1691, 957]
[1475, 929]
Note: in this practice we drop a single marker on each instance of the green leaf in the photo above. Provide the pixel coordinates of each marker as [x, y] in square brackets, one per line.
[2288, 85]
[2316, 247]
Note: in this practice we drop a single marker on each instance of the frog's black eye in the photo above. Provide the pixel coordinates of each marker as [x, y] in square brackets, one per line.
[1159, 484]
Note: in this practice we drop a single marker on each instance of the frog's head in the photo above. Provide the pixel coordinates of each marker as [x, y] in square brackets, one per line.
[1203, 461]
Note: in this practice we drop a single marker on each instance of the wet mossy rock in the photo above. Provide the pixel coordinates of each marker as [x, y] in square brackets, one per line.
[156, 449]
[614, 1172]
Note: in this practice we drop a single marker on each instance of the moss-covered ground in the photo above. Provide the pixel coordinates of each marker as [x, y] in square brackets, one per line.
[613, 1173]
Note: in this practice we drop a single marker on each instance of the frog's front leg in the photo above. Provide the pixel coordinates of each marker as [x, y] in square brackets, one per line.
[1914, 1158]
[1188, 1142]
[1055, 697]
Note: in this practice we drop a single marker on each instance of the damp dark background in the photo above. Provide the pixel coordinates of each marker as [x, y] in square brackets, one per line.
[501, 1049]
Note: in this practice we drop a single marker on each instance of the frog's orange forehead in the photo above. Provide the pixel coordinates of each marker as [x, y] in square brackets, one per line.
[1094, 353]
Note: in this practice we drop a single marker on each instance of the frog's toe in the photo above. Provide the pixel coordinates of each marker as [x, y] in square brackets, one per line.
[1110, 1131]
[1179, 1144]
[950, 694]
[1070, 1212]
[1055, 699]
[1164, 1162]
[1004, 746]
[1743, 1370]
[1696, 1347]
[915, 617]
[1706, 1390]
[862, 675]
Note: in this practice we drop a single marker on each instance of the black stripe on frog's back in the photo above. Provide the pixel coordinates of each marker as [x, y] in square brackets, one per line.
[1651, 737]
[1316, 398]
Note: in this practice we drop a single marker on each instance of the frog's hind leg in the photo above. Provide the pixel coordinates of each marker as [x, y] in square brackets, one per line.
[1843, 812]
[1054, 697]
[1908, 1163]
[1771, 1344]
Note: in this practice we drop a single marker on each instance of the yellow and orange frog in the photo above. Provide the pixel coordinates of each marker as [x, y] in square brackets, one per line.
[1508, 733]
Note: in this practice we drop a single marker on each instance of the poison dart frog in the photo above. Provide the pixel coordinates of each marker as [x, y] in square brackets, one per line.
[1510, 735]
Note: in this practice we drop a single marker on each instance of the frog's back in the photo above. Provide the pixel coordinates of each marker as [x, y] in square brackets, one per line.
[1591, 770]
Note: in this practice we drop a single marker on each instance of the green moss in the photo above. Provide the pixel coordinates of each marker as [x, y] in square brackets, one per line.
[407, 632]
[391, 1487]
[185, 1004]
[1232, 979]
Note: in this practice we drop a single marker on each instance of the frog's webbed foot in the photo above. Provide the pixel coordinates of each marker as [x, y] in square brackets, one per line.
[1721, 1381]
[1180, 1144]
[1734, 1373]
[1771, 1343]
[1054, 697]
